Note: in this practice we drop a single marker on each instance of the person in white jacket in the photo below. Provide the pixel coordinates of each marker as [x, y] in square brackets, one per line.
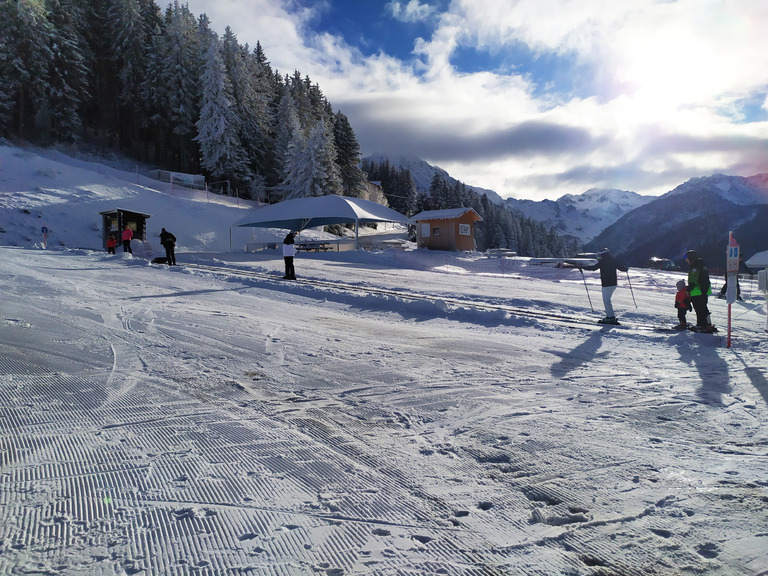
[289, 251]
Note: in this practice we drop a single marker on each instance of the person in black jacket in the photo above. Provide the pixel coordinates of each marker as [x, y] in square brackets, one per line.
[700, 288]
[608, 265]
[289, 251]
[168, 241]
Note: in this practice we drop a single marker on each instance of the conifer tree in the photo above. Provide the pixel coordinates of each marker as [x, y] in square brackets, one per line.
[25, 34]
[220, 147]
[129, 36]
[314, 172]
[348, 157]
[68, 73]
[182, 65]
[288, 139]
[295, 171]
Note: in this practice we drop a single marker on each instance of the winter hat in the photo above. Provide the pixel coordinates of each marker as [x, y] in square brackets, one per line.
[680, 284]
[690, 254]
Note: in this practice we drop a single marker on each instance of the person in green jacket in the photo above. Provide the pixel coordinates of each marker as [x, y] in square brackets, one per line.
[699, 288]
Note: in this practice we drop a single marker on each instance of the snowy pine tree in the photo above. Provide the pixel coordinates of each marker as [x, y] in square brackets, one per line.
[249, 98]
[68, 75]
[182, 65]
[348, 157]
[25, 35]
[221, 151]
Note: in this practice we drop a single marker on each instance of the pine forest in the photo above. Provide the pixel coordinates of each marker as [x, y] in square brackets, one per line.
[162, 87]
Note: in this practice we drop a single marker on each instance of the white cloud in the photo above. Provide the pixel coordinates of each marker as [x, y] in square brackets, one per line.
[667, 77]
[413, 11]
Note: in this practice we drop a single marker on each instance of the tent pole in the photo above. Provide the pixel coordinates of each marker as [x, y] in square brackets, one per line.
[357, 234]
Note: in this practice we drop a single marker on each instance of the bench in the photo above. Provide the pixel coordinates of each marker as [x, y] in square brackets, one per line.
[313, 246]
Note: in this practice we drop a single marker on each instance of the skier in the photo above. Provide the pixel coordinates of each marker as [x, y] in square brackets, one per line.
[608, 265]
[111, 244]
[168, 241]
[127, 235]
[289, 251]
[699, 287]
[682, 303]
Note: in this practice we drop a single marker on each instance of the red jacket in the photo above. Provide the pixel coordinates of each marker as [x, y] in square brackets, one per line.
[683, 299]
[111, 242]
[127, 234]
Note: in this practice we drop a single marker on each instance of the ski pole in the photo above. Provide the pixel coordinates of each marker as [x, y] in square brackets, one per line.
[587, 289]
[630, 289]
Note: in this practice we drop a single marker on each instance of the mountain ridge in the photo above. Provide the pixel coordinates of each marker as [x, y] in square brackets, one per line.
[698, 213]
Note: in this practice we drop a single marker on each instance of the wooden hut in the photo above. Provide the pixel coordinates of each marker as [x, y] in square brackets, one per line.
[449, 229]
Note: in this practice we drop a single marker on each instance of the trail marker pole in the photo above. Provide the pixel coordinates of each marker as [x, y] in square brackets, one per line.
[44, 230]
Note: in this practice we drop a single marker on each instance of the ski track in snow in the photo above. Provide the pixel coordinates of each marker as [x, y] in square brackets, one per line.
[159, 421]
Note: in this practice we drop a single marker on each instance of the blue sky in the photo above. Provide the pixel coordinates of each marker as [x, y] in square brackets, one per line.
[534, 98]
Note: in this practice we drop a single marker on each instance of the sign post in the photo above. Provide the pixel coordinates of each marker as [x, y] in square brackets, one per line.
[732, 270]
[44, 230]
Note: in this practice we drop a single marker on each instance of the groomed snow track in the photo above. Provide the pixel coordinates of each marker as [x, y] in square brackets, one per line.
[550, 317]
[342, 463]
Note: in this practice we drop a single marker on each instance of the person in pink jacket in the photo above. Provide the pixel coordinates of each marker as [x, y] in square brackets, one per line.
[127, 235]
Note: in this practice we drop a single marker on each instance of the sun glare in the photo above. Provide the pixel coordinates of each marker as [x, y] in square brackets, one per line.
[667, 71]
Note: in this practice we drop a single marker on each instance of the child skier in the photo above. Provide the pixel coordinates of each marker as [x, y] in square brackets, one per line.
[682, 303]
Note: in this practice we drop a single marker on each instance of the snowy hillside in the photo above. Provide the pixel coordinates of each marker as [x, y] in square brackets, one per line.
[43, 187]
[581, 216]
[391, 412]
[423, 173]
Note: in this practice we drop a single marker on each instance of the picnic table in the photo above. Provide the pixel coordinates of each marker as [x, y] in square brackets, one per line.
[501, 253]
[314, 246]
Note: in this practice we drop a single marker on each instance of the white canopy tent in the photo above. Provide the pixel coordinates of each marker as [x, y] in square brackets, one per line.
[301, 213]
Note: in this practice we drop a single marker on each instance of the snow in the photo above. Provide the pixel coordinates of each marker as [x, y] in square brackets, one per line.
[392, 412]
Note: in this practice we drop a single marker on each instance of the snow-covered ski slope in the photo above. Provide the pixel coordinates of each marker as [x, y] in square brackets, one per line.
[390, 413]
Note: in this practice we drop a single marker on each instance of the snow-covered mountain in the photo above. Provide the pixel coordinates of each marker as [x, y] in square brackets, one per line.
[698, 214]
[422, 173]
[735, 189]
[581, 216]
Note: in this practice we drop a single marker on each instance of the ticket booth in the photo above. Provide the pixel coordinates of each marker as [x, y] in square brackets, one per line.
[114, 221]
